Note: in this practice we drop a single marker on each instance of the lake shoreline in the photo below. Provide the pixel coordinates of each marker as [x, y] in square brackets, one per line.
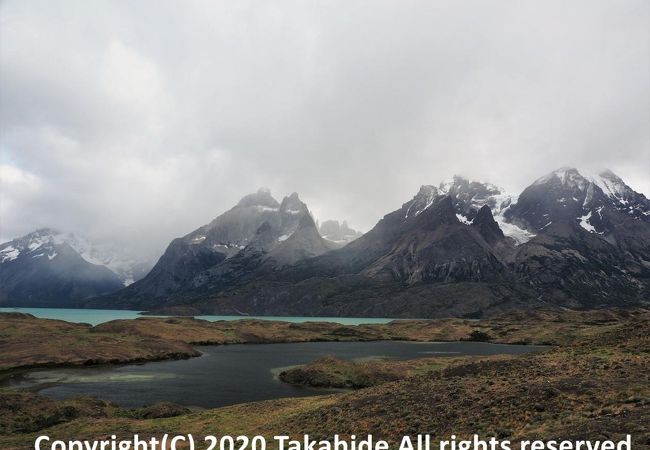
[27, 341]
[216, 378]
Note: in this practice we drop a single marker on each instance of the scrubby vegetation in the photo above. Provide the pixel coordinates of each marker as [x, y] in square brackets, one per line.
[593, 384]
[331, 372]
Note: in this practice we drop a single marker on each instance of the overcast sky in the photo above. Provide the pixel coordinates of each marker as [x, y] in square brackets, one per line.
[140, 121]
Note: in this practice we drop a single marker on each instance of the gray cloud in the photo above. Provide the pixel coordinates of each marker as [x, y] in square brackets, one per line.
[139, 121]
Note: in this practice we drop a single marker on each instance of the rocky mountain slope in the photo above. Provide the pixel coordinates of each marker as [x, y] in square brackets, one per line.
[468, 248]
[593, 238]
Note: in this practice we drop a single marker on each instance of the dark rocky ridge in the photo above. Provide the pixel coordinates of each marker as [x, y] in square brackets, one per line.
[487, 227]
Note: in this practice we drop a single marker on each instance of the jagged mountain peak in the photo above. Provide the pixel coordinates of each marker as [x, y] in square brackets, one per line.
[262, 198]
[466, 194]
[293, 205]
[460, 183]
[421, 201]
[468, 197]
[588, 201]
[242, 237]
[611, 184]
[339, 233]
[234, 229]
[487, 226]
[624, 198]
[484, 213]
[435, 204]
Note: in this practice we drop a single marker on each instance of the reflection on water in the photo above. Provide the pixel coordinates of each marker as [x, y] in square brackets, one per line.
[66, 376]
[231, 374]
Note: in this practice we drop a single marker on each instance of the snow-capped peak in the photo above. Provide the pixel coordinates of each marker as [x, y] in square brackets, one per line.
[44, 241]
[468, 198]
[612, 186]
[422, 200]
[568, 176]
[623, 197]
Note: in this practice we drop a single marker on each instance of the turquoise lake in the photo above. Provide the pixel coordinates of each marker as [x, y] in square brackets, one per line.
[97, 316]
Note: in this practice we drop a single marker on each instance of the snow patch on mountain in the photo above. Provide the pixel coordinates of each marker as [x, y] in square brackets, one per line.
[501, 203]
[611, 187]
[265, 208]
[584, 223]
[469, 197]
[9, 253]
[519, 235]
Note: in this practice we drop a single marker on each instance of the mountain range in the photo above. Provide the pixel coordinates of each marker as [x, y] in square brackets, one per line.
[461, 248]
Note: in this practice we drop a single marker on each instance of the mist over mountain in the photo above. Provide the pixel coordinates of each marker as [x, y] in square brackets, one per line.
[49, 268]
[136, 136]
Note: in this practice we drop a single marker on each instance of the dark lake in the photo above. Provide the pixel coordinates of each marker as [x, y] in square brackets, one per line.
[231, 374]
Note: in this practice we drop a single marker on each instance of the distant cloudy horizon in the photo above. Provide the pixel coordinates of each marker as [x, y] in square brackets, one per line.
[137, 122]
